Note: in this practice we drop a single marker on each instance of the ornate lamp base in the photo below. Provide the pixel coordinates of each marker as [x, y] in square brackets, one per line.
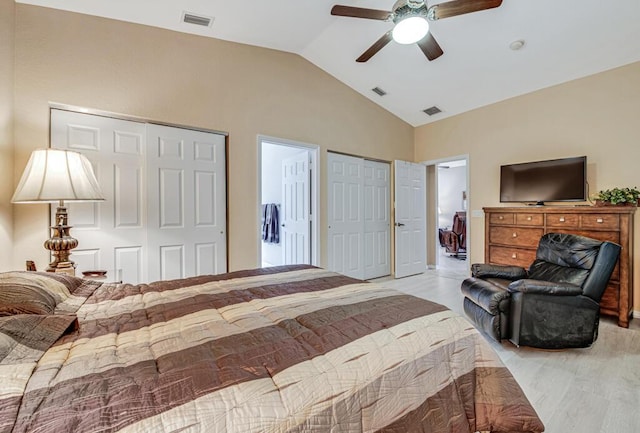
[61, 243]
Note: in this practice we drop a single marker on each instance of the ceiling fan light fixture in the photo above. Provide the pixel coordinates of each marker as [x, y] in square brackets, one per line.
[410, 30]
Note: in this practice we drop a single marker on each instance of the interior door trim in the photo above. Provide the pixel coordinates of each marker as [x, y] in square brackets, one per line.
[314, 166]
[130, 118]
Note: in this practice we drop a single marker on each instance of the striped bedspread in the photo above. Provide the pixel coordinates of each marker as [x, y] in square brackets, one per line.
[288, 349]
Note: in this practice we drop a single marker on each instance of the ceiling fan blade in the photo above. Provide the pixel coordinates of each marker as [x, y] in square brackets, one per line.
[430, 47]
[377, 46]
[348, 11]
[461, 7]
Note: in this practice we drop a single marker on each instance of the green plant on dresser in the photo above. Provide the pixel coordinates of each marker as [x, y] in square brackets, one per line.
[617, 196]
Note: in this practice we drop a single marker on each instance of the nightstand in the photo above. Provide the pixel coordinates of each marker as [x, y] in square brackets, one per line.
[104, 276]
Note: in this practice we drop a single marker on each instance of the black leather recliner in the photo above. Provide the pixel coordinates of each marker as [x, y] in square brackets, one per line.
[553, 304]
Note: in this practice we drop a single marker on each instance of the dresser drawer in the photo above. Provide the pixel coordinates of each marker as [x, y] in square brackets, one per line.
[502, 218]
[527, 219]
[599, 235]
[511, 256]
[515, 236]
[601, 221]
[561, 220]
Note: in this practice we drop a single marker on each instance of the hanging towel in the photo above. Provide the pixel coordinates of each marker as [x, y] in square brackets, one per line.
[264, 222]
[270, 223]
[274, 232]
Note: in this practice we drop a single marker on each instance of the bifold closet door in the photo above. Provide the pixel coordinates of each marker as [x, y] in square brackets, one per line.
[164, 214]
[186, 202]
[358, 216]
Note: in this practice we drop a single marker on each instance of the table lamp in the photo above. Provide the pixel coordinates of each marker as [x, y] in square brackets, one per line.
[54, 175]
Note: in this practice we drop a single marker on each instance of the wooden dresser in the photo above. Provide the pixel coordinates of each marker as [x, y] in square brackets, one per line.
[512, 235]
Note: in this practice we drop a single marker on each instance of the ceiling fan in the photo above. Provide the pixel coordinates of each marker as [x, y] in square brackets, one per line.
[411, 19]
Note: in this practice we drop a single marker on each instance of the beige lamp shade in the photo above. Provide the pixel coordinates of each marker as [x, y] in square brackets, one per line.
[57, 175]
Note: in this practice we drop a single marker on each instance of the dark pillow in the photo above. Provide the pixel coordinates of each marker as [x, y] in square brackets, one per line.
[25, 299]
[35, 292]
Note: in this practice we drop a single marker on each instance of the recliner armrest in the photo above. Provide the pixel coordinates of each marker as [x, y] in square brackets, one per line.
[544, 288]
[484, 270]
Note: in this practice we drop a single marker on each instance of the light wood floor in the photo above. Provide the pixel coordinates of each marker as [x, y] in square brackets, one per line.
[593, 390]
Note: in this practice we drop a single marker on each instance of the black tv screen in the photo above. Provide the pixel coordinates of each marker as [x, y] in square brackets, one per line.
[553, 180]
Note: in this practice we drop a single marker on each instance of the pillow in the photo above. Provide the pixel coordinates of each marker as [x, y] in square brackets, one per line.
[26, 337]
[35, 292]
[25, 299]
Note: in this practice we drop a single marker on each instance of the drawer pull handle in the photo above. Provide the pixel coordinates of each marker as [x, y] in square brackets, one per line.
[599, 220]
[515, 235]
[514, 256]
[528, 218]
[500, 217]
[561, 219]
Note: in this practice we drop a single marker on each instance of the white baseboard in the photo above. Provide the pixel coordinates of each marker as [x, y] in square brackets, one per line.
[636, 314]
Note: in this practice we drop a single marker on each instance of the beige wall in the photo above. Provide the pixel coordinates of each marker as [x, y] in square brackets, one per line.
[167, 76]
[595, 116]
[202, 82]
[7, 30]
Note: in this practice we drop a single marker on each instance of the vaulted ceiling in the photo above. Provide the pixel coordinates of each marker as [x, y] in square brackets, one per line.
[563, 40]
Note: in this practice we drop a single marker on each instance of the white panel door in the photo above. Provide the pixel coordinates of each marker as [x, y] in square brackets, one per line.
[345, 215]
[410, 218]
[377, 230]
[186, 202]
[295, 212]
[111, 234]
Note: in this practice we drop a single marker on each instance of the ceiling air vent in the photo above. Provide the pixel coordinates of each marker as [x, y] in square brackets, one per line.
[432, 110]
[378, 91]
[198, 20]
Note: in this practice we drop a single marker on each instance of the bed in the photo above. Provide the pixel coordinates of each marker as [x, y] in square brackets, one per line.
[284, 349]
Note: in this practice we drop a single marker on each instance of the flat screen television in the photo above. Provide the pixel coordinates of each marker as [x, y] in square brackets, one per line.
[539, 181]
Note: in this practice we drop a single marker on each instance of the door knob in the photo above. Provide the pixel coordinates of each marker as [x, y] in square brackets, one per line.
[399, 225]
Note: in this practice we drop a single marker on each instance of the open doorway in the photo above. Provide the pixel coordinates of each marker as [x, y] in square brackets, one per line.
[288, 202]
[448, 198]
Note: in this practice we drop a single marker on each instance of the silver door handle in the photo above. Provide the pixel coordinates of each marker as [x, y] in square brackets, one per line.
[399, 225]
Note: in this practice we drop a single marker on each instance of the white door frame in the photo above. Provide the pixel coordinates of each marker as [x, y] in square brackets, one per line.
[435, 162]
[314, 151]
